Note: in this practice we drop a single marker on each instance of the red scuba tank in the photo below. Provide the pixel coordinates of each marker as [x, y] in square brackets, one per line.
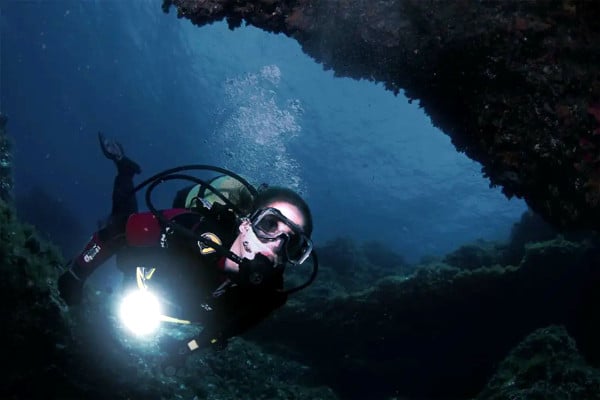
[144, 229]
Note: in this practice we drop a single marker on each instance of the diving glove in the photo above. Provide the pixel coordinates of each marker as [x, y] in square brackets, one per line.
[113, 150]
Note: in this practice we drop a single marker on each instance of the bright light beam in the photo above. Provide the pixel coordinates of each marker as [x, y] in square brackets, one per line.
[140, 312]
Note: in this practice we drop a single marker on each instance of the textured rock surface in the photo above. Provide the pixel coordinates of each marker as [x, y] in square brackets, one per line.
[514, 83]
[34, 333]
[442, 331]
[6, 182]
[438, 333]
[546, 365]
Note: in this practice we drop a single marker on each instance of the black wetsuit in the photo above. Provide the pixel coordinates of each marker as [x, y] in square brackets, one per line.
[189, 275]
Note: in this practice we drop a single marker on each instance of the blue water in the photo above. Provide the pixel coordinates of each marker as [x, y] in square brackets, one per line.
[370, 164]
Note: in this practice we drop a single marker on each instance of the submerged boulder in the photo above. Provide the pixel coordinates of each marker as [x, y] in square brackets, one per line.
[440, 332]
[545, 365]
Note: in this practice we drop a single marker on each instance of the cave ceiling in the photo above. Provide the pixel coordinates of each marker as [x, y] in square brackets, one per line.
[515, 84]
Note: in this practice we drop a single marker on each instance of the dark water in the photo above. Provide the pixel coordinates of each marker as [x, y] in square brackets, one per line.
[370, 164]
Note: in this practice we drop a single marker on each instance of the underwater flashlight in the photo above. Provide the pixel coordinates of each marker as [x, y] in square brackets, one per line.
[140, 312]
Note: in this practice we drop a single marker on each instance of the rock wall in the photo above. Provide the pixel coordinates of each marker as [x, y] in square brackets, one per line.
[514, 83]
[6, 182]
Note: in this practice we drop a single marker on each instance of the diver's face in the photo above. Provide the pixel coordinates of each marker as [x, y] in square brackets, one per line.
[248, 245]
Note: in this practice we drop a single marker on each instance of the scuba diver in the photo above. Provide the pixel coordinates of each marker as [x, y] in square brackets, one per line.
[212, 262]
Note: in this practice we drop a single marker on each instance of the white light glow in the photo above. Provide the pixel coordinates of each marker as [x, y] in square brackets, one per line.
[140, 312]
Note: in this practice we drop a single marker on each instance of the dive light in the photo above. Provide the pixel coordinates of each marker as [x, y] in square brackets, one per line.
[140, 309]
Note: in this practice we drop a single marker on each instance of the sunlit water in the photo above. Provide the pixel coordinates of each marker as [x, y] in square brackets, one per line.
[370, 164]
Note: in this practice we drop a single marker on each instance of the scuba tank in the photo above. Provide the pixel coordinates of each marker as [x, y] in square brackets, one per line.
[232, 189]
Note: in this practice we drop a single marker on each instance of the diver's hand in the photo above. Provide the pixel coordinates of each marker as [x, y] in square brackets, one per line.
[258, 272]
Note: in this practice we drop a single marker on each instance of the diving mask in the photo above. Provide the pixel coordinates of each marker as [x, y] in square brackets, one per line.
[270, 225]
